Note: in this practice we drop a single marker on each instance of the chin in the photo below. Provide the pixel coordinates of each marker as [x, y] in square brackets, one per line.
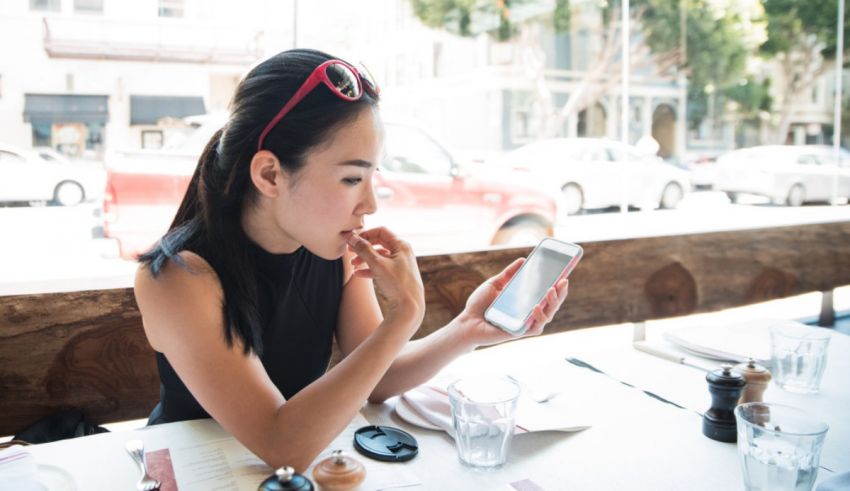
[329, 252]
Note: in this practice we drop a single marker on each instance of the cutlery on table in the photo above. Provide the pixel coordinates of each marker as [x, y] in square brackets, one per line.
[537, 397]
[136, 449]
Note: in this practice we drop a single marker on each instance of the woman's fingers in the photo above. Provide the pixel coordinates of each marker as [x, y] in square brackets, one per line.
[383, 237]
[357, 261]
[545, 311]
[554, 298]
[502, 279]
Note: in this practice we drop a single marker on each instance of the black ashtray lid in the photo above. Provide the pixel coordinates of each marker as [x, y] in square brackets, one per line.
[385, 443]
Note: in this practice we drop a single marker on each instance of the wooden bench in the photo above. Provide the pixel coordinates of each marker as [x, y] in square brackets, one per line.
[87, 349]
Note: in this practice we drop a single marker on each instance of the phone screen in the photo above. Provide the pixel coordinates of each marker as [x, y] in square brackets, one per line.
[534, 278]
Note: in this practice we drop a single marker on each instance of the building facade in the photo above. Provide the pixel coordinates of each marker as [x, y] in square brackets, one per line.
[85, 75]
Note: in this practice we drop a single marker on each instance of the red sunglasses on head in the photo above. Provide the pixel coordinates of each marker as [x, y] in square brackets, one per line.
[343, 79]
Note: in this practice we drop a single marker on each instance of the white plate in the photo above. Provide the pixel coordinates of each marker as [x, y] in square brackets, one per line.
[55, 479]
[410, 415]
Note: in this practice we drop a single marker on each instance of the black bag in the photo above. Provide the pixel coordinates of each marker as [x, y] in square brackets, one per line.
[69, 423]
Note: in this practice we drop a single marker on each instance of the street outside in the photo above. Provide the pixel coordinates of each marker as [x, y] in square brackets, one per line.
[52, 248]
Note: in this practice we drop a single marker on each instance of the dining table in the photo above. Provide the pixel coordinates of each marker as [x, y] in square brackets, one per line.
[640, 419]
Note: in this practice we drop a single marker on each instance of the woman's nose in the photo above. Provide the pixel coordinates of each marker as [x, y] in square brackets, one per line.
[369, 205]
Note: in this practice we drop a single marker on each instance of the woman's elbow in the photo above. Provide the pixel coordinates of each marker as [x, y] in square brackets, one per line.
[378, 397]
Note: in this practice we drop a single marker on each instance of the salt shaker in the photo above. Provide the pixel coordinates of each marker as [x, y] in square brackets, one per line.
[757, 377]
[339, 472]
[286, 479]
[725, 385]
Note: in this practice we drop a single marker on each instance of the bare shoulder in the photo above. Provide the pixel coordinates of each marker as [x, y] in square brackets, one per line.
[179, 294]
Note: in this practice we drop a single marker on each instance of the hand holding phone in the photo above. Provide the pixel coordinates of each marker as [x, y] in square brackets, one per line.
[549, 262]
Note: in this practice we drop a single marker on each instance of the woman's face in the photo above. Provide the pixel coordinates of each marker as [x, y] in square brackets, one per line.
[332, 193]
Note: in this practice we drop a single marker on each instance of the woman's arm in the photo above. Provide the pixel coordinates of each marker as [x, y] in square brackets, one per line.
[421, 359]
[183, 319]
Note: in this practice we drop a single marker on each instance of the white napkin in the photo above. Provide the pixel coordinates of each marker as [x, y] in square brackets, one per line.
[432, 404]
[18, 469]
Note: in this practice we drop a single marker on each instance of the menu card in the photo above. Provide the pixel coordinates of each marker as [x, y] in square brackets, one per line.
[734, 342]
[225, 464]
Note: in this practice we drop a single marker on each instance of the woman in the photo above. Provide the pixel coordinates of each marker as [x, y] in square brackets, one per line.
[266, 263]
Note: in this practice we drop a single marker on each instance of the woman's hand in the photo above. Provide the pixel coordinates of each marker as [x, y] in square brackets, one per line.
[391, 264]
[479, 332]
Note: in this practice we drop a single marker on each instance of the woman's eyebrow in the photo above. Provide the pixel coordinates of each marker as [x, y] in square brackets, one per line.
[357, 163]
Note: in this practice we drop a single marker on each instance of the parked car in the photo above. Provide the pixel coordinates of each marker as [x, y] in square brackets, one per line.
[789, 174]
[25, 176]
[702, 167]
[599, 173]
[423, 193]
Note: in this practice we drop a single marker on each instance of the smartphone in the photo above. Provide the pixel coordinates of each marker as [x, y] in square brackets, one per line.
[550, 261]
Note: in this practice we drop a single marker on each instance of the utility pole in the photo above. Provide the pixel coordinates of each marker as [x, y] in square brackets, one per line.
[624, 111]
[839, 73]
[294, 24]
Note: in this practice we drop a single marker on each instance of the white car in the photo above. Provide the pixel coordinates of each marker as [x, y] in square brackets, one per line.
[25, 176]
[599, 173]
[789, 174]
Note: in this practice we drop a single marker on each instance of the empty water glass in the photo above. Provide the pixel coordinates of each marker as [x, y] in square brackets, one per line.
[483, 410]
[779, 447]
[798, 356]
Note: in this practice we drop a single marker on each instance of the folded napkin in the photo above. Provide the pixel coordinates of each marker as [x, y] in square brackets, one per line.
[18, 469]
[433, 406]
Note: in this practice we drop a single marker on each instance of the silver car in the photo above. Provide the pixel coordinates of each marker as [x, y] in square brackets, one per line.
[599, 173]
[25, 176]
[789, 174]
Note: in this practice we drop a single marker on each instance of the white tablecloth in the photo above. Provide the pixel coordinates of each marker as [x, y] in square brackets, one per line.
[636, 442]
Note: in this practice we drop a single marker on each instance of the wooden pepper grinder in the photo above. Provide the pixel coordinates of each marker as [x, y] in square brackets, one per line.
[757, 377]
[339, 472]
[725, 385]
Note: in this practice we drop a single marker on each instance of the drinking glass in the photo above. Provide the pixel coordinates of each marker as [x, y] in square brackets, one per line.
[483, 410]
[779, 446]
[798, 356]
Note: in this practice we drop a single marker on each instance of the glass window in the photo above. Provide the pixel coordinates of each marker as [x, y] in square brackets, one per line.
[46, 5]
[171, 8]
[152, 139]
[42, 132]
[410, 150]
[88, 6]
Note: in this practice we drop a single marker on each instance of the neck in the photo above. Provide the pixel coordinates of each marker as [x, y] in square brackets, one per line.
[260, 226]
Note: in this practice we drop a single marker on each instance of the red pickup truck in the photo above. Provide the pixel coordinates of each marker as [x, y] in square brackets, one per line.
[423, 195]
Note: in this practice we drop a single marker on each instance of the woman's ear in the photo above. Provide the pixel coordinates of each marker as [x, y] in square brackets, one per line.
[266, 173]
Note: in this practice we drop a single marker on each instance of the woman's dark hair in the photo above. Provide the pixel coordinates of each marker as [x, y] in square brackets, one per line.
[208, 221]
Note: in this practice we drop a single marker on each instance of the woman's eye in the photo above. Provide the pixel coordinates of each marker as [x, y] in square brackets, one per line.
[352, 181]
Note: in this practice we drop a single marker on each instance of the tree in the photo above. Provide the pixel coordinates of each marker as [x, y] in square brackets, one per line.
[801, 37]
[716, 49]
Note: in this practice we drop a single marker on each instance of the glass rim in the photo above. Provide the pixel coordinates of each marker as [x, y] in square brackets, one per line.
[790, 332]
[814, 420]
[456, 393]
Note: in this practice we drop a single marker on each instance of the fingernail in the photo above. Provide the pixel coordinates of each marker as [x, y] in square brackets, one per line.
[353, 239]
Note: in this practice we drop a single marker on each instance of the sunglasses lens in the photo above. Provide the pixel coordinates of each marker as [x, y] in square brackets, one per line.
[344, 80]
[367, 78]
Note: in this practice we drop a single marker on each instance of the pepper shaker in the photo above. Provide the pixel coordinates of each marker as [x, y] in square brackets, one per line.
[725, 386]
[286, 479]
[339, 472]
[757, 377]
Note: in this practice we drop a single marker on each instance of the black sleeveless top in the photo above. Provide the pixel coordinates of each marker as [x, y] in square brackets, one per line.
[299, 296]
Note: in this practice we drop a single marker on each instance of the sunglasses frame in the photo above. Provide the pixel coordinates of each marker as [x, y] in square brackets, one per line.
[319, 75]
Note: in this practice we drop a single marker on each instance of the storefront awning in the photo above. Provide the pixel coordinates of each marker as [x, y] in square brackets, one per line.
[148, 109]
[63, 108]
